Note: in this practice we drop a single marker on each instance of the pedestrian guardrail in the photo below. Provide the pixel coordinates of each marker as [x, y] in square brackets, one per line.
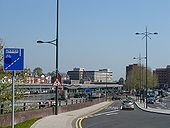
[26, 105]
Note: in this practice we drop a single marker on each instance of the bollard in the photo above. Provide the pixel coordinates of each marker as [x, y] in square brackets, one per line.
[51, 103]
[53, 108]
[2, 108]
[24, 108]
[66, 102]
[60, 103]
[71, 101]
[39, 105]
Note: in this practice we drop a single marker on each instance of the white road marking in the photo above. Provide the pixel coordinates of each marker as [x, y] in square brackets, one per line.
[104, 113]
[111, 114]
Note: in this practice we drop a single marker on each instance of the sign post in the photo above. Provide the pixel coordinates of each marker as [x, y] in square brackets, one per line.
[13, 60]
[13, 99]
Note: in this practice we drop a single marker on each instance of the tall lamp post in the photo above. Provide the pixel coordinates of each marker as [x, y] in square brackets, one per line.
[106, 91]
[56, 45]
[146, 36]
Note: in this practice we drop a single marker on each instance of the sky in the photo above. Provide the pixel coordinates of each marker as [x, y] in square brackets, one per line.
[93, 34]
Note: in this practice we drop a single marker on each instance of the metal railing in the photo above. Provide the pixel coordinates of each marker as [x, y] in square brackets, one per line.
[30, 105]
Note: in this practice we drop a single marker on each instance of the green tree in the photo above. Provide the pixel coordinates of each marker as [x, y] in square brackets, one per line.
[5, 86]
[137, 78]
[121, 81]
[133, 78]
[155, 80]
[22, 75]
[5, 80]
[53, 76]
[38, 71]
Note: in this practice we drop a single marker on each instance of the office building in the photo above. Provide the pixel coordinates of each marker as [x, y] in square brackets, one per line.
[100, 76]
[163, 75]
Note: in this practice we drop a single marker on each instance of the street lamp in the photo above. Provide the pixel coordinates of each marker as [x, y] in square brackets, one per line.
[56, 45]
[106, 85]
[146, 35]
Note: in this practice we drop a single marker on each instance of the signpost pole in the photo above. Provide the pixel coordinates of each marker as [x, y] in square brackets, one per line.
[13, 97]
[13, 60]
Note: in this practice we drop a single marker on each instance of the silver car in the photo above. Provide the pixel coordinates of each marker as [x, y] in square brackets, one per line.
[127, 104]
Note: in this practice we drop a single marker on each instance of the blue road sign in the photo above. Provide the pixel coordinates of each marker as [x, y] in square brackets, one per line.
[13, 59]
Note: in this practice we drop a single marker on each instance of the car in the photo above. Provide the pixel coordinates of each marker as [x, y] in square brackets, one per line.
[127, 104]
[151, 100]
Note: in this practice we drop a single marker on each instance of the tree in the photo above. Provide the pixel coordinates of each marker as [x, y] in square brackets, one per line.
[5, 80]
[22, 75]
[137, 78]
[155, 80]
[53, 76]
[5, 85]
[4, 95]
[133, 78]
[1, 50]
[121, 81]
[38, 71]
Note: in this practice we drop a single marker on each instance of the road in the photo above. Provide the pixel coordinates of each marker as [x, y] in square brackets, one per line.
[113, 117]
[165, 104]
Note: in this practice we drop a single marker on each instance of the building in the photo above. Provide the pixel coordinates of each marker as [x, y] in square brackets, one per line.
[79, 75]
[76, 74]
[163, 75]
[129, 68]
[38, 79]
[103, 75]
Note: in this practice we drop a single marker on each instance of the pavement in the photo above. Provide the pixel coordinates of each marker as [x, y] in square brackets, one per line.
[65, 120]
[142, 106]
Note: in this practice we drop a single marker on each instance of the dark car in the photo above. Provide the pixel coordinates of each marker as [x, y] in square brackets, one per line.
[151, 100]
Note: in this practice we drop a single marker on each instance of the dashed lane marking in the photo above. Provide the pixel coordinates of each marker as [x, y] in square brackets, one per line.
[111, 114]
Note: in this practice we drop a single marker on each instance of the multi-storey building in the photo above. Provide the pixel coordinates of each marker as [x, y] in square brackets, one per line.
[79, 75]
[76, 76]
[163, 75]
[129, 68]
[103, 75]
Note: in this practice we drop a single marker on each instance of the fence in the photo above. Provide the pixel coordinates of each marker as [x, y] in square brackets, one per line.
[28, 105]
[41, 109]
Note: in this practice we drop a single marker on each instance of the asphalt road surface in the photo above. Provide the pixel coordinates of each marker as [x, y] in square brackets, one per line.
[165, 104]
[113, 117]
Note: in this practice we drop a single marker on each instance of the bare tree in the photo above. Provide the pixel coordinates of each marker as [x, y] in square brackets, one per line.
[1, 50]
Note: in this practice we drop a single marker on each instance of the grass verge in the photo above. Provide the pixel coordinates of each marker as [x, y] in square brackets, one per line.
[25, 124]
